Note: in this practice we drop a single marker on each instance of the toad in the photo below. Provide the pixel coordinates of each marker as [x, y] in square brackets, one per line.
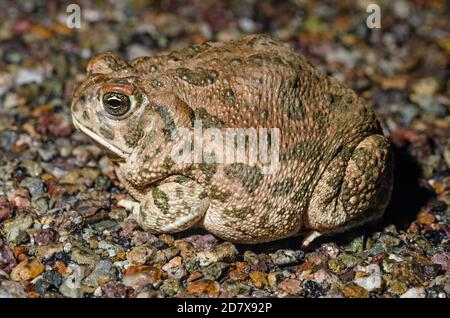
[333, 166]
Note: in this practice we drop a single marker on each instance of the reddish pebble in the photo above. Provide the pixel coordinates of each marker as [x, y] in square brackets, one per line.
[194, 276]
[20, 26]
[291, 286]
[114, 290]
[442, 259]
[7, 260]
[19, 250]
[46, 237]
[20, 198]
[5, 209]
[203, 287]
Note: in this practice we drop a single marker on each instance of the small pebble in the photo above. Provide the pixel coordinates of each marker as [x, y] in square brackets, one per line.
[415, 292]
[27, 270]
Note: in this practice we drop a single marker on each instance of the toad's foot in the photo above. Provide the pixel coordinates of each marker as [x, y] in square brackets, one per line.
[310, 237]
[173, 206]
[130, 205]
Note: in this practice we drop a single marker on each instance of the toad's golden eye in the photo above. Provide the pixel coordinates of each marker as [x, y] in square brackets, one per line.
[116, 104]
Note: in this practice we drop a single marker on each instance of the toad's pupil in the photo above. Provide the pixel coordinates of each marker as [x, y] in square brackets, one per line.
[116, 104]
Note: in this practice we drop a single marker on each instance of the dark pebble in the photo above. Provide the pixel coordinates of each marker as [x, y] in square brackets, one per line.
[34, 185]
[8, 139]
[144, 39]
[110, 225]
[102, 183]
[436, 237]
[51, 279]
[19, 173]
[313, 289]
[434, 292]
[59, 256]
[431, 271]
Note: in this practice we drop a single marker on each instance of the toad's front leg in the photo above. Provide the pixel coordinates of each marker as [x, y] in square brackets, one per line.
[173, 206]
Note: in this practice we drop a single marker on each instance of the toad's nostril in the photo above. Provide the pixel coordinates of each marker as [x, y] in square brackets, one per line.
[85, 115]
[83, 97]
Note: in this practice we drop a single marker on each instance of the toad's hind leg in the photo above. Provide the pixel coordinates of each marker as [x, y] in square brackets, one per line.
[172, 206]
[354, 189]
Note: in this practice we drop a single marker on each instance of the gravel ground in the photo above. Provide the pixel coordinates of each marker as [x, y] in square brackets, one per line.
[61, 232]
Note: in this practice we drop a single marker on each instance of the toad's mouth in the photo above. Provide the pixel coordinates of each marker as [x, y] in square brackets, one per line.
[98, 139]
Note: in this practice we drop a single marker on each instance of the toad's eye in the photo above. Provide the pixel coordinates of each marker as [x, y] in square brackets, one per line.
[116, 104]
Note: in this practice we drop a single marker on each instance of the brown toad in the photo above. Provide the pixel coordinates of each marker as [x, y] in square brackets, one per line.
[334, 167]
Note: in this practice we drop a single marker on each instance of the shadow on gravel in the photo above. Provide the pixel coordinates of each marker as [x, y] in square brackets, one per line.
[407, 198]
[408, 195]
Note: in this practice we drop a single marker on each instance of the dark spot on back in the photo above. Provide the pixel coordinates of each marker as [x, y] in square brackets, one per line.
[282, 187]
[197, 77]
[208, 120]
[166, 116]
[208, 169]
[240, 213]
[249, 176]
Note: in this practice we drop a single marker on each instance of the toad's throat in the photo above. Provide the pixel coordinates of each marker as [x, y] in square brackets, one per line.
[103, 142]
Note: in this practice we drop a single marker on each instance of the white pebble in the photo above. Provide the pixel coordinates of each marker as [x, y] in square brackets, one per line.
[67, 247]
[371, 282]
[25, 76]
[415, 292]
